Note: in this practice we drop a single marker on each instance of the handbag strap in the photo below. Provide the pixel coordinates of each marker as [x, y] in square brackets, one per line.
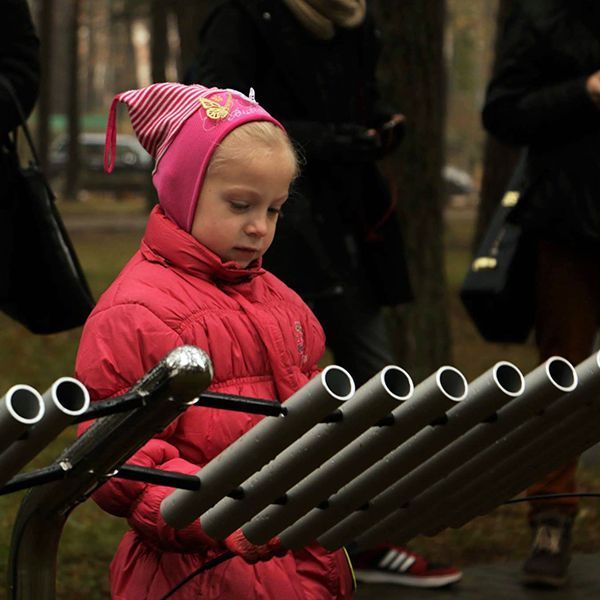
[11, 91]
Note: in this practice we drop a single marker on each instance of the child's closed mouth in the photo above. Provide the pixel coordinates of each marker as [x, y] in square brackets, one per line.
[246, 249]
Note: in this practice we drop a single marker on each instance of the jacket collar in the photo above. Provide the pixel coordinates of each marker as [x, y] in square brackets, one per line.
[164, 242]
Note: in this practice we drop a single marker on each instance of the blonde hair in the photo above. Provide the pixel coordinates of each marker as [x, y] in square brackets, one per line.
[240, 142]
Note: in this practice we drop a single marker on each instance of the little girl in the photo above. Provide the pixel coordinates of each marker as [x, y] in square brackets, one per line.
[223, 171]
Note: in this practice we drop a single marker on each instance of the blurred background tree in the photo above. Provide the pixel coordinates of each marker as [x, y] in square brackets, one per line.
[413, 77]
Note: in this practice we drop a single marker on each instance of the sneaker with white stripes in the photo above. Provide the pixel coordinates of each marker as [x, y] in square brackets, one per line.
[398, 565]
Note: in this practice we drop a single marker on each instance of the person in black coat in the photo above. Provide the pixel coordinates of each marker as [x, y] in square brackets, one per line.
[19, 67]
[19, 61]
[341, 219]
[545, 96]
[312, 65]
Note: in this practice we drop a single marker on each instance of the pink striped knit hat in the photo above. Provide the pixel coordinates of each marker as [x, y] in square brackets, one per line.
[180, 126]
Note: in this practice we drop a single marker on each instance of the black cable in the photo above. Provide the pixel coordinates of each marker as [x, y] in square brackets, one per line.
[552, 496]
[208, 565]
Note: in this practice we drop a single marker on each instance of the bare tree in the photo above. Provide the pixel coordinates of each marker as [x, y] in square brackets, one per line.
[413, 77]
[158, 39]
[190, 16]
[45, 29]
[122, 51]
[73, 110]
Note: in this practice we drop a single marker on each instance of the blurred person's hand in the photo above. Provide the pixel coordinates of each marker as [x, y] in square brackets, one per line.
[392, 132]
[592, 87]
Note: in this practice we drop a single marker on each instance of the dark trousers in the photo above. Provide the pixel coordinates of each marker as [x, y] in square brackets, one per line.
[567, 319]
[357, 333]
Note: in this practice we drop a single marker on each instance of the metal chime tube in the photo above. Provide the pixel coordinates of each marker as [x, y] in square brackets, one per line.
[483, 493]
[256, 447]
[382, 393]
[510, 384]
[545, 384]
[487, 393]
[21, 407]
[477, 478]
[66, 399]
[449, 513]
[432, 398]
[440, 516]
[570, 443]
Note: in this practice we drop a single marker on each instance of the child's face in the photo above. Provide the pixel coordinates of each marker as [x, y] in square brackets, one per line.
[240, 202]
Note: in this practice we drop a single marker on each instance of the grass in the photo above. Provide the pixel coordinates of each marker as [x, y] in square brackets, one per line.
[90, 536]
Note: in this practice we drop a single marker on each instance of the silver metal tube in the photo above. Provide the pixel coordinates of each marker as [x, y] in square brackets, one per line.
[504, 382]
[21, 407]
[66, 398]
[490, 390]
[432, 398]
[482, 494]
[544, 385]
[533, 438]
[556, 452]
[447, 513]
[381, 394]
[479, 476]
[256, 447]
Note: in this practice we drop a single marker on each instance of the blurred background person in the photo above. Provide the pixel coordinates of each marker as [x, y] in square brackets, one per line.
[545, 96]
[19, 61]
[312, 64]
[20, 67]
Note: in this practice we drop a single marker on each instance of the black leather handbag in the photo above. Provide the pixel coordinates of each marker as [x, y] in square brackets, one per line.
[498, 290]
[42, 285]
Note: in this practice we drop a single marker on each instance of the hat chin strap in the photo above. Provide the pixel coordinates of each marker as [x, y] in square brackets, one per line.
[321, 16]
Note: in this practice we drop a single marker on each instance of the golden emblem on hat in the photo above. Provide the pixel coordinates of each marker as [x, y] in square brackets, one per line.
[214, 110]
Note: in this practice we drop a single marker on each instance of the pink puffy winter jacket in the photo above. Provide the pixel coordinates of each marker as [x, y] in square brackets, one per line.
[264, 342]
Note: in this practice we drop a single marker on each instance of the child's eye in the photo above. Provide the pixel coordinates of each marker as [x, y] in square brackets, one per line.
[276, 212]
[239, 206]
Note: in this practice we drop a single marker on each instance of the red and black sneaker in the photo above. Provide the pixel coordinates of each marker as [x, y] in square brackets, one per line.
[398, 565]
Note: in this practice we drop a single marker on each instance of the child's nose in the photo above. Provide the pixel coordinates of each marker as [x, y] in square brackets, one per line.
[257, 226]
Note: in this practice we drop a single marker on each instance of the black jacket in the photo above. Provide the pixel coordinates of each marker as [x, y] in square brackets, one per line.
[339, 227]
[19, 61]
[537, 99]
[20, 67]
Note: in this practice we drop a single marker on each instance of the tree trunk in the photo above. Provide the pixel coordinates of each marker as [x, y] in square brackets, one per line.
[499, 159]
[72, 180]
[46, 10]
[121, 46]
[413, 78]
[190, 16]
[90, 17]
[158, 40]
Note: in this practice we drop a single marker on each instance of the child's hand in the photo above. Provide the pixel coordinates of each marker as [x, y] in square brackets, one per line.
[240, 545]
